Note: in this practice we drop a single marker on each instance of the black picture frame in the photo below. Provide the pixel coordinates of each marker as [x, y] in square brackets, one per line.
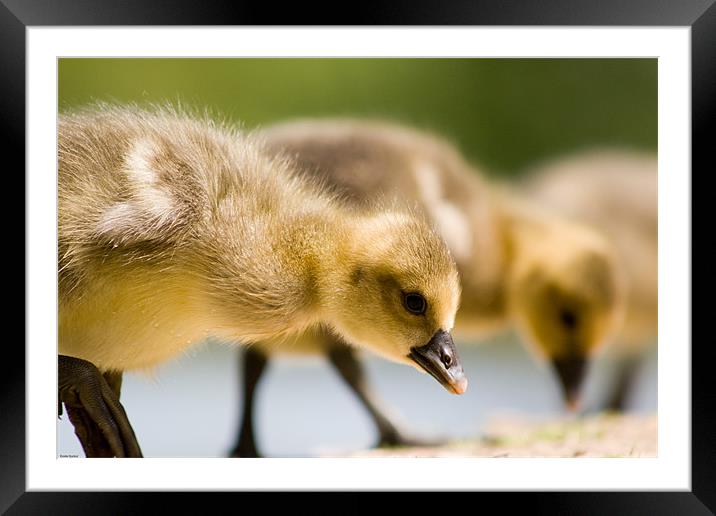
[700, 15]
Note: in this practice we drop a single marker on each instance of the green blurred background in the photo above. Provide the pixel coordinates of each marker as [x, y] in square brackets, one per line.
[505, 114]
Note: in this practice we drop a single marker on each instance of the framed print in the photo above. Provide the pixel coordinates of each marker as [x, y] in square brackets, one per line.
[198, 177]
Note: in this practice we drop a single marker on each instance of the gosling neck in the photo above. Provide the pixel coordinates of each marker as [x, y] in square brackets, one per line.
[348, 241]
[527, 230]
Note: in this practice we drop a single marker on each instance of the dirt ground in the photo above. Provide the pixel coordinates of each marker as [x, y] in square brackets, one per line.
[603, 435]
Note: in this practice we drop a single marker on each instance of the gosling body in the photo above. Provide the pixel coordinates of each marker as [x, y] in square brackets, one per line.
[173, 228]
[180, 222]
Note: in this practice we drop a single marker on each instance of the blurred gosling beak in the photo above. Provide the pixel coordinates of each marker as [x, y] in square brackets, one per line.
[571, 372]
[439, 358]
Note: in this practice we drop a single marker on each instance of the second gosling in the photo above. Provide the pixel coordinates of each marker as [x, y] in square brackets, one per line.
[558, 282]
[614, 191]
[174, 228]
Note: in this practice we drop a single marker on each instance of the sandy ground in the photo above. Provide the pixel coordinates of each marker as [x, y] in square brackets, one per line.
[603, 435]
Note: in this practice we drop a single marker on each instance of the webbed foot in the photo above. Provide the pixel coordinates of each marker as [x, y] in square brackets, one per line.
[100, 422]
[395, 438]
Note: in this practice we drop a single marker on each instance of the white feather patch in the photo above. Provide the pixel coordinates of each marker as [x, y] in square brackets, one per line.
[150, 206]
[145, 179]
[452, 223]
[116, 217]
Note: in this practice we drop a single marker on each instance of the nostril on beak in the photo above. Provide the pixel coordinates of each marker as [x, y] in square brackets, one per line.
[446, 360]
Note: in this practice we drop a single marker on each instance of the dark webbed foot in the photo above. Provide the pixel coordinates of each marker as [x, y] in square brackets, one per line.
[94, 409]
[349, 367]
[90, 436]
[398, 439]
[245, 451]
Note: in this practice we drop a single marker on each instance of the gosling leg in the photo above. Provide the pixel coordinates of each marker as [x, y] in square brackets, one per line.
[93, 407]
[114, 380]
[349, 367]
[626, 372]
[254, 364]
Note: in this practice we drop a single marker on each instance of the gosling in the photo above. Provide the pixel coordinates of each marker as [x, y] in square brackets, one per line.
[555, 281]
[615, 191]
[507, 270]
[174, 228]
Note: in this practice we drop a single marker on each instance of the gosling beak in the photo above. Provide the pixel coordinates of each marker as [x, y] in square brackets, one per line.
[571, 372]
[439, 358]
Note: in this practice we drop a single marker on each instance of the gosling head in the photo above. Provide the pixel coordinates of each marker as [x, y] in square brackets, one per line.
[398, 295]
[567, 309]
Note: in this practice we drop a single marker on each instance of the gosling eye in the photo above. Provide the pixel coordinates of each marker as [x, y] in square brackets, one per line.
[415, 303]
[569, 318]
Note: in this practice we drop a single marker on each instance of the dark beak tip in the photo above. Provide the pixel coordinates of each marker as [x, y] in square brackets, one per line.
[571, 373]
[573, 402]
[431, 358]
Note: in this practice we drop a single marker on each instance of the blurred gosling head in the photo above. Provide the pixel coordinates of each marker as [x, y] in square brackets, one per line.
[566, 296]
